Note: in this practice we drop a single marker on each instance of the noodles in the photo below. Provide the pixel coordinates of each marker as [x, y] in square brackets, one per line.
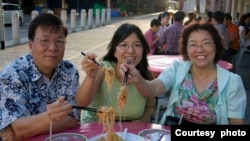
[122, 98]
[111, 137]
[106, 116]
[109, 74]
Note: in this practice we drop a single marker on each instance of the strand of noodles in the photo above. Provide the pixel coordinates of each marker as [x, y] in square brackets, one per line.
[106, 116]
[121, 101]
[50, 131]
[109, 74]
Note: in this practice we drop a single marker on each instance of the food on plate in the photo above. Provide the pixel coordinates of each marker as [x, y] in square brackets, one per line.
[112, 136]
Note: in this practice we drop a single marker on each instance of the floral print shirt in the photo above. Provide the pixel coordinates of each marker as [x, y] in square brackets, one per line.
[195, 107]
[24, 91]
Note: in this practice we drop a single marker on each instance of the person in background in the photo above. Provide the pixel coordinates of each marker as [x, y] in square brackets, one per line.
[244, 30]
[151, 35]
[237, 18]
[217, 21]
[172, 34]
[39, 88]
[191, 17]
[164, 19]
[201, 92]
[123, 9]
[209, 16]
[234, 39]
[127, 44]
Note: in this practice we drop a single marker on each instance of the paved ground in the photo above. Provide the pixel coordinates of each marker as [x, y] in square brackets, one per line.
[96, 40]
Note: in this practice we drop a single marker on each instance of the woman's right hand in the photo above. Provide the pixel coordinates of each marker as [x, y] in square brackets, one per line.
[89, 66]
[134, 75]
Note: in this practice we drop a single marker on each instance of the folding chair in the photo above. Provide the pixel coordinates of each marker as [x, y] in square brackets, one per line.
[242, 51]
[161, 102]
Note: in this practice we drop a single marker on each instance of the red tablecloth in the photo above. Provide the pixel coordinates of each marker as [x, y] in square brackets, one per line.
[157, 63]
[92, 129]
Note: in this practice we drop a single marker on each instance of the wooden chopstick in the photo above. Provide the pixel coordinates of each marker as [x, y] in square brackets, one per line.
[85, 108]
[92, 59]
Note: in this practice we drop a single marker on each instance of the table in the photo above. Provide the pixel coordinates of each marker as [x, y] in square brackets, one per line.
[92, 129]
[157, 63]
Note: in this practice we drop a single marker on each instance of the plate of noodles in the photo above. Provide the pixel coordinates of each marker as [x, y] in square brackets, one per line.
[67, 137]
[129, 137]
[154, 134]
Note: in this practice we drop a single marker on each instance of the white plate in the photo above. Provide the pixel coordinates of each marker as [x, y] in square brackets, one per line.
[67, 137]
[154, 134]
[129, 137]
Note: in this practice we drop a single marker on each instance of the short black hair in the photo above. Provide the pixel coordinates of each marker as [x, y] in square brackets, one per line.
[164, 14]
[228, 16]
[179, 16]
[155, 22]
[218, 16]
[46, 21]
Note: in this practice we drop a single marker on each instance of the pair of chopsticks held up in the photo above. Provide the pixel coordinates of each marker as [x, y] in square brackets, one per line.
[94, 109]
[126, 73]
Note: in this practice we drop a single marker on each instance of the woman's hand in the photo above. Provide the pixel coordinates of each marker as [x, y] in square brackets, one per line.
[89, 66]
[134, 75]
[58, 110]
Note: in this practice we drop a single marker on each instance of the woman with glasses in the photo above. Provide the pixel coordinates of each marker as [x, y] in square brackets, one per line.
[38, 89]
[201, 92]
[127, 45]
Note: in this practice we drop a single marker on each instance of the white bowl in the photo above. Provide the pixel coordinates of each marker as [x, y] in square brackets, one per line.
[67, 137]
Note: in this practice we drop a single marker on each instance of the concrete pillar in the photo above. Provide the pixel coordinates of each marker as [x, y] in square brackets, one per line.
[241, 7]
[103, 16]
[181, 5]
[64, 17]
[212, 5]
[73, 20]
[108, 15]
[202, 6]
[97, 17]
[234, 9]
[228, 6]
[83, 19]
[34, 13]
[15, 27]
[109, 11]
[2, 29]
[90, 18]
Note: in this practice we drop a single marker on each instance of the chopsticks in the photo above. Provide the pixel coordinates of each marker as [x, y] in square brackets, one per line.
[126, 75]
[161, 137]
[92, 59]
[84, 108]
